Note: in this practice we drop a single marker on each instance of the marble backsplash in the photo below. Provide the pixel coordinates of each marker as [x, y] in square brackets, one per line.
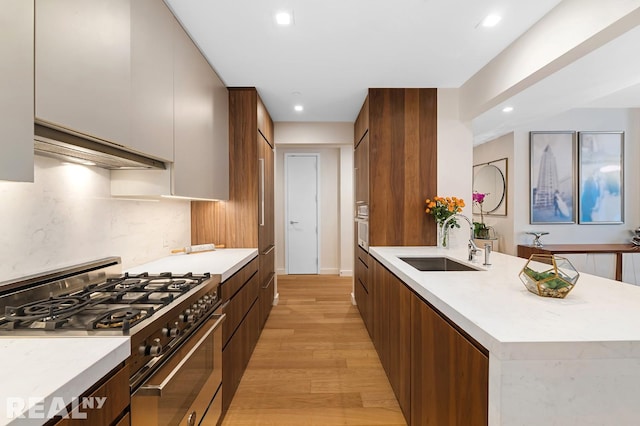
[67, 216]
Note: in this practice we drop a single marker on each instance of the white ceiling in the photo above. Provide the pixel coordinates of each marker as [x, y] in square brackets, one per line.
[336, 49]
[608, 77]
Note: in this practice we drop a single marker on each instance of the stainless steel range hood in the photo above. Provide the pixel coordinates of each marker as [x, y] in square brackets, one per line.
[78, 148]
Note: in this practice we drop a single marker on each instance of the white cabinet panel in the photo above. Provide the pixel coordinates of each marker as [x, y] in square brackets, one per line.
[199, 132]
[152, 78]
[200, 146]
[16, 91]
[83, 67]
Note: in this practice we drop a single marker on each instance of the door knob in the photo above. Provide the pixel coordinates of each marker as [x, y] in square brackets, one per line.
[293, 221]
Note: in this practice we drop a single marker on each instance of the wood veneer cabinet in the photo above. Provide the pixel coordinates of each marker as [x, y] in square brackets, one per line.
[439, 375]
[449, 374]
[241, 329]
[247, 220]
[16, 86]
[114, 388]
[392, 332]
[401, 125]
[362, 289]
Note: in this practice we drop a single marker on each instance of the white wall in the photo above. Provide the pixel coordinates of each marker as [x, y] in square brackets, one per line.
[67, 216]
[568, 32]
[329, 199]
[346, 210]
[518, 183]
[496, 149]
[334, 142]
[455, 156]
[579, 120]
[313, 133]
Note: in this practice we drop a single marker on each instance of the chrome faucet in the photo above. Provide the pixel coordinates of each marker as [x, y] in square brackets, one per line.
[473, 248]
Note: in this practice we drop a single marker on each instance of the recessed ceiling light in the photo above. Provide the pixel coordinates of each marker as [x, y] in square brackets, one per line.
[284, 18]
[491, 21]
[298, 108]
[507, 109]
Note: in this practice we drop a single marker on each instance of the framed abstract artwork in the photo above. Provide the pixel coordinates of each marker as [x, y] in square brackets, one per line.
[601, 177]
[552, 177]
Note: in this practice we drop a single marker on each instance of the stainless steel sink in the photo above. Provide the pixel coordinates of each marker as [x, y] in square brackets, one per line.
[437, 263]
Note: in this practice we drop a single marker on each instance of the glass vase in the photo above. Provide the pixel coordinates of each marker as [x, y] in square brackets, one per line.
[443, 235]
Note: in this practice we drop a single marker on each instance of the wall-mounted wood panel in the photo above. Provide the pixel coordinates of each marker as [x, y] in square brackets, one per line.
[402, 165]
[242, 207]
[208, 222]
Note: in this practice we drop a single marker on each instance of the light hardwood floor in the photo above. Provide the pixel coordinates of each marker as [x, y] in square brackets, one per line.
[314, 363]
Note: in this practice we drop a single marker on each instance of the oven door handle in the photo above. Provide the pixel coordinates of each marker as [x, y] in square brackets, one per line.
[156, 390]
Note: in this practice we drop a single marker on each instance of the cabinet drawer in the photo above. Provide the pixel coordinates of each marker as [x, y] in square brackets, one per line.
[236, 355]
[363, 256]
[267, 266]
[116, 391]
[231, 286]
[362, 274]
[238, 307]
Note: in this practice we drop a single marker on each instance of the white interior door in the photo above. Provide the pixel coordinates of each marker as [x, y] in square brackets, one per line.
[301, 189]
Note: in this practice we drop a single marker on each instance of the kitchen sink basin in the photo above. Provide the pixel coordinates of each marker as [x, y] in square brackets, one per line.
[436, 263]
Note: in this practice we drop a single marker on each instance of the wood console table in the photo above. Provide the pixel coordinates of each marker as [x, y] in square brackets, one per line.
[617, 249]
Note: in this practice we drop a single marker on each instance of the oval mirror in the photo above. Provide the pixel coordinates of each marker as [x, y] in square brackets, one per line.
[489, 179]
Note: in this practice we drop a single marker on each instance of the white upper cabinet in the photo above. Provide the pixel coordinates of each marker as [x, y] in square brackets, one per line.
[83, 66]
[152, 78]
[16, 91]
[201, 124]
[199, 120]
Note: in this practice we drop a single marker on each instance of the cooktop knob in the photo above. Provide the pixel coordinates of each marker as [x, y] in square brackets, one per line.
[170, 331]
[142, 350]
[156, 348]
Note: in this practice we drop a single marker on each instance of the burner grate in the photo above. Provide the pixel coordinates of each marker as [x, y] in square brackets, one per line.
[122, 318]
[113, 303]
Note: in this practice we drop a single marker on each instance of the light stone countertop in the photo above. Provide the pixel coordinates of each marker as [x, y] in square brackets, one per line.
[56, 369]
[565, 362]
[72, 366]
[224, 262]
[599, 318]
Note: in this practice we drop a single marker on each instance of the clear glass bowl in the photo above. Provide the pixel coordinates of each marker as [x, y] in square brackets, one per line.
[549, 275]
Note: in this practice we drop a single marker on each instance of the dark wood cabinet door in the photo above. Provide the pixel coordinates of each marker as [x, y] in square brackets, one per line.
[237, 353]
[361, 289]
[450, 375]
[361, 171]
[402, 164]
[266, 195]
[400, 342]
[379, 286]
[266, 299]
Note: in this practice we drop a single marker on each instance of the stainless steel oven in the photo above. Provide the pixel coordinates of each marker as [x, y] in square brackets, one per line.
[362, 225]
[187, 388]
[173, 320]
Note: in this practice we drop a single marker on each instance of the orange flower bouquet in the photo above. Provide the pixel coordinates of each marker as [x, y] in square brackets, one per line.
[441, 208]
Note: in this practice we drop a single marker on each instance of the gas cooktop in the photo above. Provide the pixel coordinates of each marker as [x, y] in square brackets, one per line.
[117, 303]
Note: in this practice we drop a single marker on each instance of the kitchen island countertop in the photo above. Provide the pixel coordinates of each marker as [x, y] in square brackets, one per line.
[571, 361]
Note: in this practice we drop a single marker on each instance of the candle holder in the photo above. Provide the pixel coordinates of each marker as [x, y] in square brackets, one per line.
[549, 275]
